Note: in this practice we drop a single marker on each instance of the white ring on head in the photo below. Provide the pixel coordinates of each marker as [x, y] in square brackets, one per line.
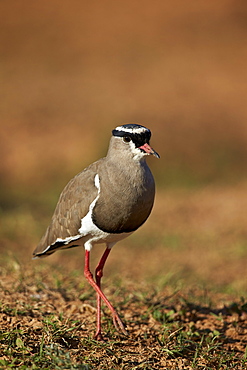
[137, 130]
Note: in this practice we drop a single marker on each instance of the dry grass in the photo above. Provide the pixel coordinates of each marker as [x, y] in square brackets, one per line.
[46, 324]
[179, 284]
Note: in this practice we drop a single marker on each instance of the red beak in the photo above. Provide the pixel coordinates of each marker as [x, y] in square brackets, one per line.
[147, 148]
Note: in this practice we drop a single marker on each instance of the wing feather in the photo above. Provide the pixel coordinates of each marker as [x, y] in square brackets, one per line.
[72, 206]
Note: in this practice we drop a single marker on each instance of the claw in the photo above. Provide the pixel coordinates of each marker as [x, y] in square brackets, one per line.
[99, 337]
[119, 324]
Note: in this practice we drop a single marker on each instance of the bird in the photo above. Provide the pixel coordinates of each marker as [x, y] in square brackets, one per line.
[105, 203]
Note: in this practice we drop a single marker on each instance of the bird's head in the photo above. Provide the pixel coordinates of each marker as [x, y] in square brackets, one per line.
[134, 139]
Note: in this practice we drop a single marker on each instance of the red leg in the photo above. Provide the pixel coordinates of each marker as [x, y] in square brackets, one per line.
[98, 276]
[96, 285]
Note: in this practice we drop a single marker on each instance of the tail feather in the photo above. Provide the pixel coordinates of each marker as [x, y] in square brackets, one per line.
[53, 248]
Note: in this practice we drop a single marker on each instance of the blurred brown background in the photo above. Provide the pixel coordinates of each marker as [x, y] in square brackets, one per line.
[73, 70]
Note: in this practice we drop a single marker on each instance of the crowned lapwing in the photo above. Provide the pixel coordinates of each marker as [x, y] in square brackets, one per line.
[104, 203]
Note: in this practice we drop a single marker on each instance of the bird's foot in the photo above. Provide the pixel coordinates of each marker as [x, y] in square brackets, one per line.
[98, 336]
[119, 324]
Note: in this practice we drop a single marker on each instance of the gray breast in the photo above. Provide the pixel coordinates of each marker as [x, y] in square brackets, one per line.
[126, 198]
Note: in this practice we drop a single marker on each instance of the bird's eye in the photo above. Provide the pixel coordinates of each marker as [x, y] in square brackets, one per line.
[126, 139]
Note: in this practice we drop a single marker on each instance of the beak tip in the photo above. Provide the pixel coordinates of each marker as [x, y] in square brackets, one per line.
[155, 153]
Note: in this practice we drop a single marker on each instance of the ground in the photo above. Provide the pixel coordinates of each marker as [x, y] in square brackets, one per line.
[47, 325]
[180, 290]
